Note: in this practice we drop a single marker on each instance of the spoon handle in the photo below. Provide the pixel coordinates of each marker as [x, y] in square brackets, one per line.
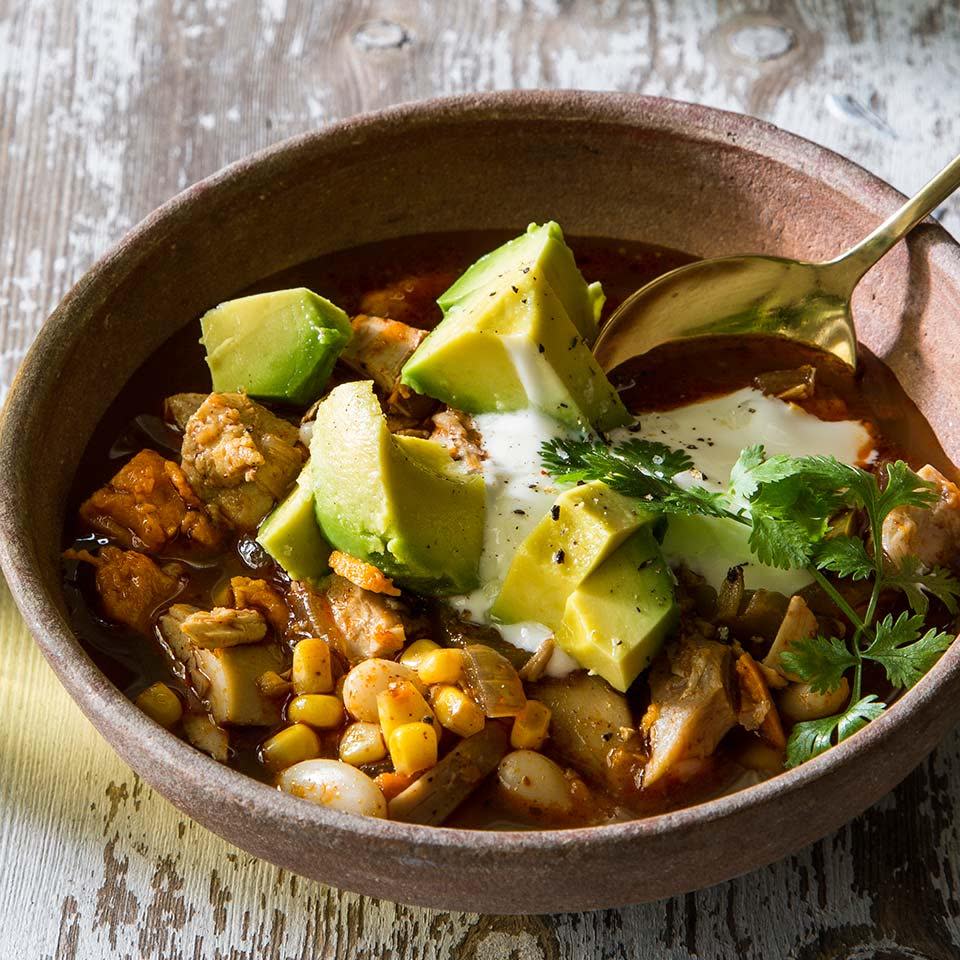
[853, 264]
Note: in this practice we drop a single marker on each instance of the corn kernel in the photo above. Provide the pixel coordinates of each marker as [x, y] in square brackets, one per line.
[456, 711]
[322, 711]
[312, 669]
[441, 666]
[402, 703]
[412, 656]
[161, 704]
[413, 747]
[289, 746]
[530, 726]
[362, 743]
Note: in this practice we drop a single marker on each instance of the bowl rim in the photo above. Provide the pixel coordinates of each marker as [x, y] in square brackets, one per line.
[108, 707]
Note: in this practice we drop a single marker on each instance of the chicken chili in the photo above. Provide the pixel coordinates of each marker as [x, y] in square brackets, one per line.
[402, 548]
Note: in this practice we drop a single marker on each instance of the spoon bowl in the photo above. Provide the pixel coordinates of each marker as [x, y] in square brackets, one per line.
[772, 296]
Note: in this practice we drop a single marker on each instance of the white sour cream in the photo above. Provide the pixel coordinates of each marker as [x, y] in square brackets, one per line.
[519, 495]
[713, 433]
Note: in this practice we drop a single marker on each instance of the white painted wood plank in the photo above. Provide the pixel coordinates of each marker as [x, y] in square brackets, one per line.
[108, 107]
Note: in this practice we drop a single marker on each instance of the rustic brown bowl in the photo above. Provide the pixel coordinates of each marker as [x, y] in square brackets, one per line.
[604, 164]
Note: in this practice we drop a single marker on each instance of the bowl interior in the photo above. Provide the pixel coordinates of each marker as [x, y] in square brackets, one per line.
[623, 167]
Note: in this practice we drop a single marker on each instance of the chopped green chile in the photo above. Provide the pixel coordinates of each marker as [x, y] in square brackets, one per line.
[493, 682]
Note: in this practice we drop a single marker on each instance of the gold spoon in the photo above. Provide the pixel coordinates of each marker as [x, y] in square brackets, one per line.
[775, 296]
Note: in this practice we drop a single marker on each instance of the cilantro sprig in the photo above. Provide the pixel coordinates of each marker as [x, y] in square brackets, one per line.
[788, 503]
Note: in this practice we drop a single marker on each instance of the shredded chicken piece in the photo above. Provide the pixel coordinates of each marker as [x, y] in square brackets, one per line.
[412, 300]
[239, 457]
[259, 595]
[148, 504]
[224, 627]
[931, 534]
[358, 624]
[378, 349]
[179, 408]
[456, 431]
[691, 688]
[757, 709]
[130, 584]
[363, 574]
[798, 624]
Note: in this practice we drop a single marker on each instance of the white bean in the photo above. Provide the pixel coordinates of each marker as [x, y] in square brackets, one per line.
[368, 678]
[799, 702]
[534, 781]
[330, 783]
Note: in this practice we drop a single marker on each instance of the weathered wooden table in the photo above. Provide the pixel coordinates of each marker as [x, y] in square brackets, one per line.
[107, 108]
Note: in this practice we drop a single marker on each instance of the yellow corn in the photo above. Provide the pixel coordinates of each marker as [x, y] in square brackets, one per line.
[312, 669]
[402, 703]
[530, 726]
[412, 656]
[289, 746]
[456, 711]
[160, 703]
[441, 666]
[322, 711]
[413, 747]
[362, 743]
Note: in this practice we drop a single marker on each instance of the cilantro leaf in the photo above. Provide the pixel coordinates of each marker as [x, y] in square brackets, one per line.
[846, 557]
[654, 458]
[638, 468]
[917, 585]
[779, 543]
[903, 489]
[819, 661]
[812, 737]
[753, 468]
[905, 655]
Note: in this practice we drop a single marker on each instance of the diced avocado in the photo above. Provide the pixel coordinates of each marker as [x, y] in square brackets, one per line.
[275, 346]
[292, 536]
[542, 250]
[617, 619]
[400, 503]
[508, 341]
[585, 525]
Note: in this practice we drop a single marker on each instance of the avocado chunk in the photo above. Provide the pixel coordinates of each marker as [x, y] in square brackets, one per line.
[617, 619]
[584, 526]
[274, 346]
[543, 250]
[400, 503]
[515, 334]
[292, 536]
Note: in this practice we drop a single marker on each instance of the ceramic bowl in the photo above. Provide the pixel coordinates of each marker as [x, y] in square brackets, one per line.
[622, 166]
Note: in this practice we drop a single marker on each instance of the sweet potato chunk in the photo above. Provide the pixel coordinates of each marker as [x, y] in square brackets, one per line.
[130, 584]
[361, 573]
[239, 458]
[148, 505]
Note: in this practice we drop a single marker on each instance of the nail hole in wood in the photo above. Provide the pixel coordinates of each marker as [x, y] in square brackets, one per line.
[381, 35]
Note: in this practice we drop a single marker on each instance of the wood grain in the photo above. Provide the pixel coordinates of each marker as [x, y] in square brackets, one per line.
[108, 107]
